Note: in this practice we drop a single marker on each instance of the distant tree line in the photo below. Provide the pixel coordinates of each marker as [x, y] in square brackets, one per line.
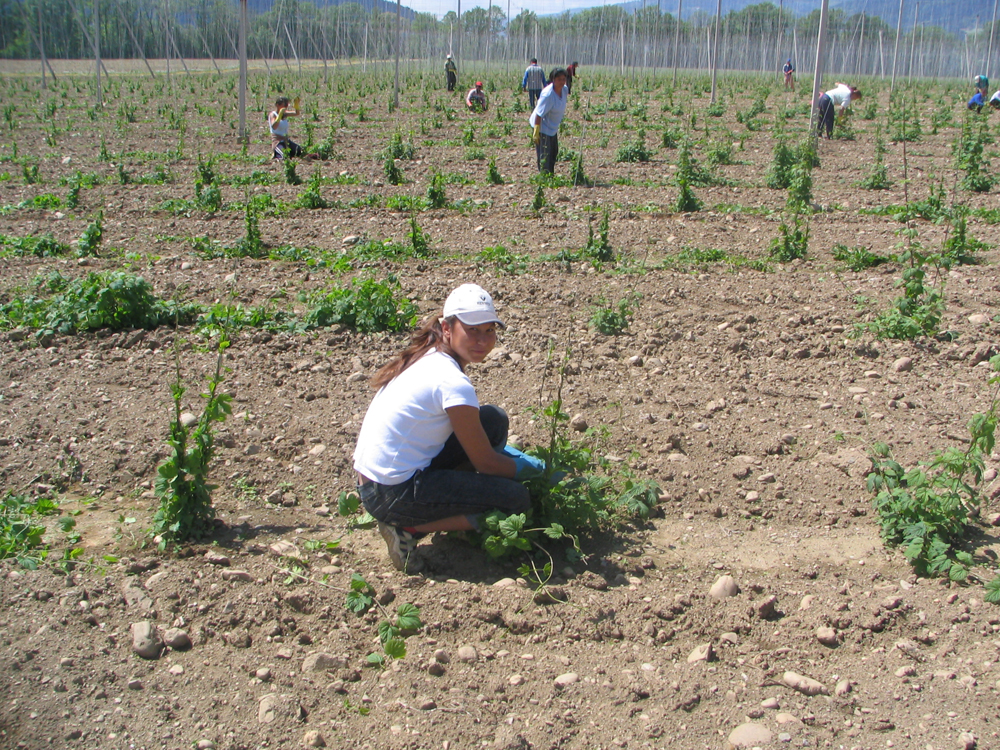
[757, 37]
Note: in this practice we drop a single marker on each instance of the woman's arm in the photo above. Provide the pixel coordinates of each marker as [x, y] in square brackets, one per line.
[469, 431]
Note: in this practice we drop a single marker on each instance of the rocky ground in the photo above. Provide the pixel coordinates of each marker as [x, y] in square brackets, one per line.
[757, 607]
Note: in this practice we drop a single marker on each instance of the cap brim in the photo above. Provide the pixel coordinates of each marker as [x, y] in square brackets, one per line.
[479, 318]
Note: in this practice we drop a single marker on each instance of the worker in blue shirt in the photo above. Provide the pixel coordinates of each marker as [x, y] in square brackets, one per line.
[533, 82]
[545, 119]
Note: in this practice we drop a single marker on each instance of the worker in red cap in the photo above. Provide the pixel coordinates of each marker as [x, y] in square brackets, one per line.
[475, 100]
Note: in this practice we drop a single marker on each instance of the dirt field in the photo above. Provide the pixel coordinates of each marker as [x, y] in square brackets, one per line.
[736, 387]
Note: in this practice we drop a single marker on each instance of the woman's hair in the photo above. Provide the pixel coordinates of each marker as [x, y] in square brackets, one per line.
[855, 92]
[556, 72]
[281, 101]
[429, 336]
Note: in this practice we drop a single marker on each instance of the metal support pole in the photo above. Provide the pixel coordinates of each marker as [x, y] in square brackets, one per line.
[243, 71]
[677, 41]
[395, 89]
[41, 45]
[993, 32]
[913, 40]
[135, 41]
[715, 46]
[97, 50]
[820, 59]
[292, 45]
[895, 53]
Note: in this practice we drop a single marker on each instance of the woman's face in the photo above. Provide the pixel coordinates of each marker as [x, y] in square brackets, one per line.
[558, 82]
[471, 344]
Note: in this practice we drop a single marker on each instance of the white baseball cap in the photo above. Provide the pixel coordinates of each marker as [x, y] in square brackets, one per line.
[472, 305]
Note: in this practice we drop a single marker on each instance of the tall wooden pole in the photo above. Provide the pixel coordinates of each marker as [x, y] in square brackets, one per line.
[458, 24]
[395, 91]
[715, 46]
[677, 40]
[243, 71]
[820, 59]
[97, 49]
[41, 44]
[993, 31]
[489, 32]
[895, 53]
[781, 34]
[913, 40]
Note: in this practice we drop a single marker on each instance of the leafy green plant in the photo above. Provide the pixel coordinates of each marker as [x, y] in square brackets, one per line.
[918, 311]
[311, 197]
[291, 176]
[398, 149]
[502, 260]
[393, 174]
[576, 174]
[792, 242]
[687, 201]
[568, 498]
[969, 157]
[43, 246]
[392, 628]
[20, 532]
[436, 195]
[90, 241]
[420, 243]
[633, 150]
[182, 488]
[960, 248]
[114, 300]
[779, 171]
[800, 185]
[538, 202]
[878, 177]
[367, 305]
[493, 176]
[858, 258]
[612, 319]
[599, 246]
[30, 173]
[926, 509]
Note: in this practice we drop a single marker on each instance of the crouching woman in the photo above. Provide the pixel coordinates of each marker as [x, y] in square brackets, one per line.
[424, 428]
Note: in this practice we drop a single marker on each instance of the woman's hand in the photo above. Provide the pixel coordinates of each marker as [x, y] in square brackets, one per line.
[469, 431]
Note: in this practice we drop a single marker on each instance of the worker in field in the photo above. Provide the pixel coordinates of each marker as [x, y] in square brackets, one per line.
[789, 70]
[838, 98]
[450, 71]
[430, 456]
[533, 82]
[475, 100]
[570, 75]
[982, 85]
[283, 146]
[546, 118]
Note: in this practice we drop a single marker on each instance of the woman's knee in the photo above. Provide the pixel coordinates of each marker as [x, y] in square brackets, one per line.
[496, 424]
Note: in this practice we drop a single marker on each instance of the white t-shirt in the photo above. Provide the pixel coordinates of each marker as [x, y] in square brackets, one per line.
[279, 128]
[406, 425]
[840, 96]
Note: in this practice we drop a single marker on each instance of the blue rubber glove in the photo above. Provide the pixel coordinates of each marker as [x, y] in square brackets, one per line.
[528, 467]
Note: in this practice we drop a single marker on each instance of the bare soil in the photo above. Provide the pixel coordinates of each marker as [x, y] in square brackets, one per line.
[738, 391]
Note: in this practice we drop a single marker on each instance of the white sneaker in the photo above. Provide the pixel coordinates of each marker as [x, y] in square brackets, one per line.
[400, 545]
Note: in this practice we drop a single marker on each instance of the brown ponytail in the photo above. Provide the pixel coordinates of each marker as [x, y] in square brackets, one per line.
[429, 336]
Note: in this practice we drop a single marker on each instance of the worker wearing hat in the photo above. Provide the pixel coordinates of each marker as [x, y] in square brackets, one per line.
[475, 100]
[450, 71]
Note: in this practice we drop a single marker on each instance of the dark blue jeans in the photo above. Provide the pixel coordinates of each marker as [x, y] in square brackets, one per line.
[533, 95]
[546, 152]
[442, 490]
[825, 115]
